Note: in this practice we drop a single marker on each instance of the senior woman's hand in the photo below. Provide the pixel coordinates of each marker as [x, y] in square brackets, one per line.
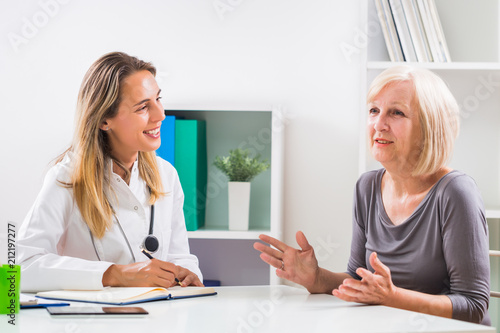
[374, 288]
[299, 266]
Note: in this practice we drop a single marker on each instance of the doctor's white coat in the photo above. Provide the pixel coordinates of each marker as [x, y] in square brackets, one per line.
[57, 251]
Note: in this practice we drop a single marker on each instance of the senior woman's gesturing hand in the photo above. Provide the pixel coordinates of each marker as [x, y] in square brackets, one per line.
[374, 288]
[299, 266]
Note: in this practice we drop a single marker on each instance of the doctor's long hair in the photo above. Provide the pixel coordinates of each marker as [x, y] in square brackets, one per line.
[98, 100]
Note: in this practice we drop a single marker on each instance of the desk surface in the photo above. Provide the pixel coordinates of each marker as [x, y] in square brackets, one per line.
[248, 309]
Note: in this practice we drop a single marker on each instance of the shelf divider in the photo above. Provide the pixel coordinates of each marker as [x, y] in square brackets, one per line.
[486, 66]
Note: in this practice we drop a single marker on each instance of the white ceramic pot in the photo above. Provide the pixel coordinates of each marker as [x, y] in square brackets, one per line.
[239, 205]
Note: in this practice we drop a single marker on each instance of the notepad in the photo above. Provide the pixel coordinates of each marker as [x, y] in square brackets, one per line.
[127, 295]
[28, 302]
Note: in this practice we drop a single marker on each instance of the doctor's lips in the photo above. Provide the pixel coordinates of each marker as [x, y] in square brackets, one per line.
[154, 132]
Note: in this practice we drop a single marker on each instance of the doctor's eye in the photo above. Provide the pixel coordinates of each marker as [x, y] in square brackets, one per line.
[142, 108]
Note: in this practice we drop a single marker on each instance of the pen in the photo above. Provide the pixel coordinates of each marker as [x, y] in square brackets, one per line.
[151, 257]
[147, 254]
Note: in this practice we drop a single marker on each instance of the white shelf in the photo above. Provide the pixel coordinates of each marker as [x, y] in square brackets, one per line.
[486, 66]
[219, 249]
[226, 234]
[192, 107]
[493, 213]
[494, 253]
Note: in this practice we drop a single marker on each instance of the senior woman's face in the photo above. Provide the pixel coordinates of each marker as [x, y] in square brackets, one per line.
[394, 130]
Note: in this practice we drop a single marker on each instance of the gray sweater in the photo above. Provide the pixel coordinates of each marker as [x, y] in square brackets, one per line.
[441, 249]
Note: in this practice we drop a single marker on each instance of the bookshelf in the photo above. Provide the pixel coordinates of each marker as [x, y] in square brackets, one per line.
[473, 36]
[473, 77]
[465, 66]
[261, 130]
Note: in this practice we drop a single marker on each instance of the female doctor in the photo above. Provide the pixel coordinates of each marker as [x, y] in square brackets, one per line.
[110, 212]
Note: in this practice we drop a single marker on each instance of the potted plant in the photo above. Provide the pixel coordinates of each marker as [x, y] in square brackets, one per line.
[240, 168]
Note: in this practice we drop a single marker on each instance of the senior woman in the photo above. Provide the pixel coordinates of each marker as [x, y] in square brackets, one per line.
[420, 237]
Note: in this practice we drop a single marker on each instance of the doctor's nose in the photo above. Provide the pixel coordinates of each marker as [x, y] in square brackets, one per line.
[157, 113]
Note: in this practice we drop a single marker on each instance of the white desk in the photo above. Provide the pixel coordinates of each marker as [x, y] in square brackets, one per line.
[248, 309]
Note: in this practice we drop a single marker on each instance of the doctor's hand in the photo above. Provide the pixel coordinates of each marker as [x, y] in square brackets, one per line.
[150, 273]
[299, 266]
[374, 288]
[188, 278]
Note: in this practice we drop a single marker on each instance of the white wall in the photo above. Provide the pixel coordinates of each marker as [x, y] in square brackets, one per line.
[261, 52]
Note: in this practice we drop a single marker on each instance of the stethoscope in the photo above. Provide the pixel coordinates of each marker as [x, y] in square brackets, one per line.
[149, 245]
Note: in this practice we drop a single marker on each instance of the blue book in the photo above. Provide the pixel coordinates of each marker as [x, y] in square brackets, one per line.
[167, 134]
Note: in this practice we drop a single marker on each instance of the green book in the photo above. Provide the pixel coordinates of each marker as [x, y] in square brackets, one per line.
[191, 164]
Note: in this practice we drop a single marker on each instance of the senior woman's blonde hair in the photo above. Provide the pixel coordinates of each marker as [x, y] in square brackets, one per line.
[98, 100]
[437, 109]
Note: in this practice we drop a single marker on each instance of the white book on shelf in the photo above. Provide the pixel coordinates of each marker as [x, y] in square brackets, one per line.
[403, 31]
[417, 32]
[430, 30]
[443, 47]
[389, 30]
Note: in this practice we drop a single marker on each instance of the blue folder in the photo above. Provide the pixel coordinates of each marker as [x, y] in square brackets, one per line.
[167, 134]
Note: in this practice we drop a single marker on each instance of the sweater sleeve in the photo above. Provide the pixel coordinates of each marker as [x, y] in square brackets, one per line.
[362, 197]
[465, 247]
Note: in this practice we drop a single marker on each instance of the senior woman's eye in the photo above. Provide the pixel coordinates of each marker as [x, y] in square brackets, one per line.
[373, 111]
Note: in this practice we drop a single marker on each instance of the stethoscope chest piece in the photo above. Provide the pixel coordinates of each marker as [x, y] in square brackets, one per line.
[150, 244]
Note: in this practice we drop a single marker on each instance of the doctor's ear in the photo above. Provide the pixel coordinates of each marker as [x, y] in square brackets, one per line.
[104, 126]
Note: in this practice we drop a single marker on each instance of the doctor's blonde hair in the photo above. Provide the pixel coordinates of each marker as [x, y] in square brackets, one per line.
[438, 112]
[98, 100]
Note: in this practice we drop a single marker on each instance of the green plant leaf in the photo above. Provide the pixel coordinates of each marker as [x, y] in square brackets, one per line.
[239, 166]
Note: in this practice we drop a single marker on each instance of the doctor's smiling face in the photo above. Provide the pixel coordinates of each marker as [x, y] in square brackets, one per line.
[394, 128]
[136, 125]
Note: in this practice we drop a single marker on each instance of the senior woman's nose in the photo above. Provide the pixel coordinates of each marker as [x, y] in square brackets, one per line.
[380, 123]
